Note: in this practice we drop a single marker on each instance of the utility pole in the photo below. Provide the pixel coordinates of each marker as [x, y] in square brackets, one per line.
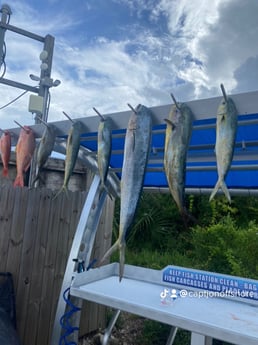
[40, 103]
[6, 13]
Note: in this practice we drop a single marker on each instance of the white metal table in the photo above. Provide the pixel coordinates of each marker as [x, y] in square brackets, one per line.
[140, 292]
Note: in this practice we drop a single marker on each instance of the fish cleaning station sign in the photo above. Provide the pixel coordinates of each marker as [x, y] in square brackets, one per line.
[220, 285]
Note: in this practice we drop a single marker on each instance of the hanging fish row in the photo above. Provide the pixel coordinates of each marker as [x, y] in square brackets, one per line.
[178, 134]
[26, 145]
[24, 151]
[177, 138]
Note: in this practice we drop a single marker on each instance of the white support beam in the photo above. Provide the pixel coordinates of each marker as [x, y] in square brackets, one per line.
[199, 339]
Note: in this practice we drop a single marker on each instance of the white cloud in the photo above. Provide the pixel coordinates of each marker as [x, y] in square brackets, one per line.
[221, 35]
[202, 44]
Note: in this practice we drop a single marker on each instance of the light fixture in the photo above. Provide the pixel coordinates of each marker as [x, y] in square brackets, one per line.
[44, 66]
[43, 55]
[56, 82]
[34, 77]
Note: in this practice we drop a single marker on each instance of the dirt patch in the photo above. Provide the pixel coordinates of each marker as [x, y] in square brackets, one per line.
[127, 331]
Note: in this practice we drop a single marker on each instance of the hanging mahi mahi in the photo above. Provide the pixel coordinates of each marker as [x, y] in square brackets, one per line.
[72, 150]
[136, 152]
[45, 148]
[178, 135]
[226, 128]
[104, 149]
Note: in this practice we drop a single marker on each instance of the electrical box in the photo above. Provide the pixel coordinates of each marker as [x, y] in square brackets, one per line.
[36, 104]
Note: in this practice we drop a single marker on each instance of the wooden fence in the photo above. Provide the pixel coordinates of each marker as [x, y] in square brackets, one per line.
[36, 234]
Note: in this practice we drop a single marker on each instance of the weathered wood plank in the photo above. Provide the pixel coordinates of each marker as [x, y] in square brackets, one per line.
[48, 299]
[17, 233]
[6, 211]
[36, 234]
[26, 260]
[40, 248]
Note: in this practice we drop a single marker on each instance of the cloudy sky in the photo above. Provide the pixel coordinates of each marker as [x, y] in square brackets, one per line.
[111, 52]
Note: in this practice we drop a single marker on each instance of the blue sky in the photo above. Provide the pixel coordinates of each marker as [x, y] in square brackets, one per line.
[112, 52]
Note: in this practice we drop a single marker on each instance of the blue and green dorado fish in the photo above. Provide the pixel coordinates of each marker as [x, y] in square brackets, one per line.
[72, 150]
[177, 138]
[226, 128]
[104, 150]
[136, 154]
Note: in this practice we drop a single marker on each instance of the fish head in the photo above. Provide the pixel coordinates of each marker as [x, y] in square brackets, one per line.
[175, 115]
[77, 125]
[132, 124]
[231, 106]
[226, 108]
[101, 125]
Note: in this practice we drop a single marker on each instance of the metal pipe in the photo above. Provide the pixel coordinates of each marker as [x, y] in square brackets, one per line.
[6, 12]
[22, 32]
[19, 85]
[205, 191]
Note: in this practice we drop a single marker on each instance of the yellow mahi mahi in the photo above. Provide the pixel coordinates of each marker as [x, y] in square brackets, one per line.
[178, 134]
[226, 128]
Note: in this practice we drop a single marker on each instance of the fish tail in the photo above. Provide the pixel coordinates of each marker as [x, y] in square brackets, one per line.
[220, 184]
[187, 217]
[37, 178]
[103, 188]
[225, 191]
[63, 189]
[18, 182]
[5, 172]
[111, 250]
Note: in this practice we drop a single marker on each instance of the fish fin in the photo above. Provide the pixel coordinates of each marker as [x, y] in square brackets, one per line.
[5, 172]
[111, 250]
[18, 182]
[133, 141]
[220, 184]
[170, 123]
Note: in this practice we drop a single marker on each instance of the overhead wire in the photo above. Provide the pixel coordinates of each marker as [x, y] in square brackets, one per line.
[3, 61]
[4, 53]
[14, 100]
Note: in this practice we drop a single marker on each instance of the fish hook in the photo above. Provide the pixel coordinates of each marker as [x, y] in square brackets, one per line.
[69, 118]
[224, 92]
[129, 105]
[42, 121]
[96, 111]
[174, 100]
[17, 123]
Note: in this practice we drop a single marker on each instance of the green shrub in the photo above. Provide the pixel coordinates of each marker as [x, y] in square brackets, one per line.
[156, 333]
[227, 248]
